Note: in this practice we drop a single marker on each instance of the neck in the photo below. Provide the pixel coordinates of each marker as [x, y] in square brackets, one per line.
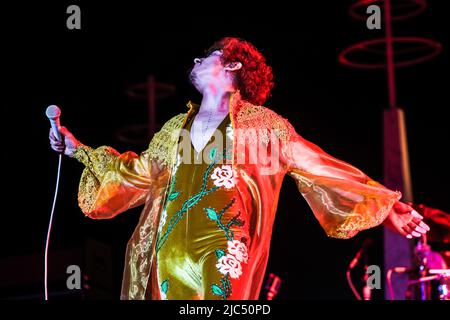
[215, 102]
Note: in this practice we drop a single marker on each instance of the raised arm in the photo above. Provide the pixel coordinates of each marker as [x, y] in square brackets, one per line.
[343, 199]
[111, 183]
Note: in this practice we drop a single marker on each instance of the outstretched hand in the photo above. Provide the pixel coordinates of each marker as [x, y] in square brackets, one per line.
[405, 220]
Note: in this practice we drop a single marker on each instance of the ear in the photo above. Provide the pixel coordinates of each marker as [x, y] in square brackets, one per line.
[233, 66]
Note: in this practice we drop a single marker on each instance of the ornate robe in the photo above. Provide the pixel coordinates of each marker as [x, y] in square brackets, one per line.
[265, 147]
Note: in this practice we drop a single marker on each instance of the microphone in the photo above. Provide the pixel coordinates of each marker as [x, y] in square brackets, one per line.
[366, 244]
[53, 113]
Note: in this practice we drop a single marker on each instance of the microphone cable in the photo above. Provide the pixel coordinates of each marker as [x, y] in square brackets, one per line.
[50, 228]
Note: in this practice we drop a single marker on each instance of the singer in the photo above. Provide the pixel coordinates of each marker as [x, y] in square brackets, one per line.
[210, 180]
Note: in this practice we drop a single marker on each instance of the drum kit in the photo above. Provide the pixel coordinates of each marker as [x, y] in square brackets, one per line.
[429, 278]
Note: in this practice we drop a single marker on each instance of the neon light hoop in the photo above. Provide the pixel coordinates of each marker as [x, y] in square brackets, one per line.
[417, 45]
[401, 10]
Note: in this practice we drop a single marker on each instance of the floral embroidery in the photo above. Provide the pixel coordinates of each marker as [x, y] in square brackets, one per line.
[230, 265]
[217, 217]
[239, 250]
[224, 289]
[224, 176]
[189, 203]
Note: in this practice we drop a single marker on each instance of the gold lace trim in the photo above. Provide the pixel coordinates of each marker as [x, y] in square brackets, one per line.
[163, 144]
[358, 223]
[97, 162]
[265, 121]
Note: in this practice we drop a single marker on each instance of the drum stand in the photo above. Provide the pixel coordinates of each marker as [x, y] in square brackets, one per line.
[427, 283]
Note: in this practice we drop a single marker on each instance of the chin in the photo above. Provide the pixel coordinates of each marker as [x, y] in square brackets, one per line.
[194, 79]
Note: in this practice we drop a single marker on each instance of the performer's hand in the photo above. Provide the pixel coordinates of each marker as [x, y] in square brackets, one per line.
[406, 221]
[68, 146]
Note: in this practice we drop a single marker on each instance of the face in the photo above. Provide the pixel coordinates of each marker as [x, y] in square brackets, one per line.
[209, 73]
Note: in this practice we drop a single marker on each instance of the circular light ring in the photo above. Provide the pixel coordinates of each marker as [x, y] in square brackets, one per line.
[369, 46]
[400, 9]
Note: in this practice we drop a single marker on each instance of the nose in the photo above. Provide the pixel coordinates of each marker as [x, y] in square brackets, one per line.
[197, 60]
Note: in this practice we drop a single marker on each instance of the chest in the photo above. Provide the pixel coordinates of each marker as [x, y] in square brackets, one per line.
[203, 128]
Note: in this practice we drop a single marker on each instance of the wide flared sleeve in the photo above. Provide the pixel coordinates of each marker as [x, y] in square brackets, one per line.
[111, 182]
[343, 199]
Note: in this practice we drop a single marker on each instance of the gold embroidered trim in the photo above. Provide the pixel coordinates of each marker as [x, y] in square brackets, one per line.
[265, 121]
[163, 144]
[97, 162]
[358, 223]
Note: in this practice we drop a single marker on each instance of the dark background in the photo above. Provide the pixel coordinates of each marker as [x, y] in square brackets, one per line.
[86, 72]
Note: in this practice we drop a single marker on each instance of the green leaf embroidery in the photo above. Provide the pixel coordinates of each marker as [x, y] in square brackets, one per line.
[173, 195]
[212, 153]
[219, 253]
[165, 286]
[212, 214]
[217, 290]
[189, 203]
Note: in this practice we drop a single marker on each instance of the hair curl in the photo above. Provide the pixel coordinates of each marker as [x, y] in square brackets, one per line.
[255, 79]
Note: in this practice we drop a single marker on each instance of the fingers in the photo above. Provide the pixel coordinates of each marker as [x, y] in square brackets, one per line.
[416, 215]
[420, 230]
[55, 144]
[424, 225]
[415, 227]
[408, 229]
[52, 136]
[417, 224]
[413, 234]
[58, 147]
[416, 234]
[413, 231]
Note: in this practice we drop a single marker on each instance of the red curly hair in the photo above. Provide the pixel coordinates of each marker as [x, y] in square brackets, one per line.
[255, 79]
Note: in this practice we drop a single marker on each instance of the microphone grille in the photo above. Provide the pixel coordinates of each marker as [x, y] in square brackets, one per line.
[53, 112]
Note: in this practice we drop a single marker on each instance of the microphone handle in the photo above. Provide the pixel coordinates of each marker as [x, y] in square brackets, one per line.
[55, 128]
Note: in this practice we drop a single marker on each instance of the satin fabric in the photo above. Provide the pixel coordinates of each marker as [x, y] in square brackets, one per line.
[343, 199]
[202, 217]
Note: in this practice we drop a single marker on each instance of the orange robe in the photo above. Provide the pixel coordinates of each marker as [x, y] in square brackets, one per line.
[265, 147]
